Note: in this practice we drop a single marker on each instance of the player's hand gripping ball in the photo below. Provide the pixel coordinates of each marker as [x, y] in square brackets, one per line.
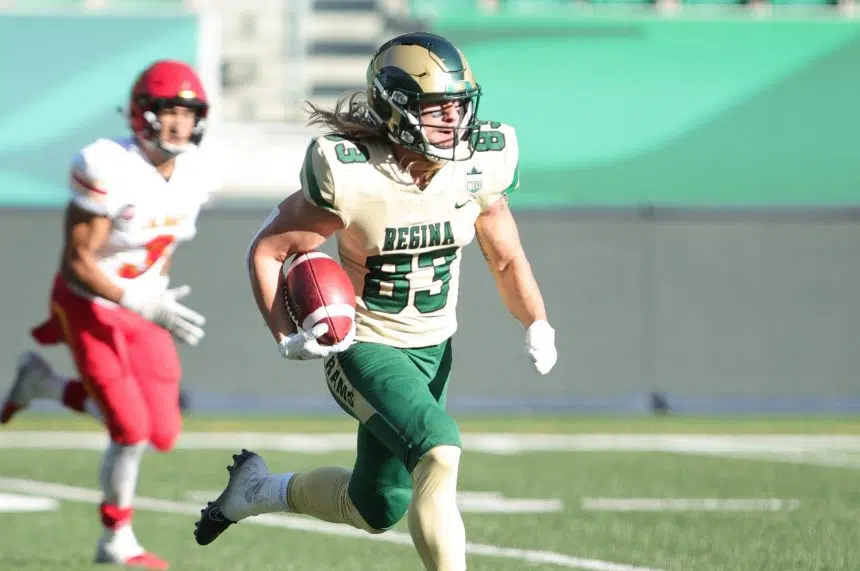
[319, 291]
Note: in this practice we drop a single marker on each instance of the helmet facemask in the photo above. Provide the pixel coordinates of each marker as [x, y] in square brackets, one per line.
[404, 125]
[166, 84]
[153, 130]
[412, 71]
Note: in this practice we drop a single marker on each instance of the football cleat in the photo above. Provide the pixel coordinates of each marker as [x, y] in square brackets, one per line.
[32, 372]
[246, 473]
[122, 548]
[145, 560]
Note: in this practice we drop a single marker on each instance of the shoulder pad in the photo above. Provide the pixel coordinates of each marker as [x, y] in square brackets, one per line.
[497, 157]
[327, 160]
[343, 151]
[93, 176]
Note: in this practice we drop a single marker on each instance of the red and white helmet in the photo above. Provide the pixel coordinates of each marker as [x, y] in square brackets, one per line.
[166, 83]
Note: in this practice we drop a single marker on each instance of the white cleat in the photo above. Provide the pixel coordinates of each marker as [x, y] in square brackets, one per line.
[33, 372]
[247, 475]
[121, 548]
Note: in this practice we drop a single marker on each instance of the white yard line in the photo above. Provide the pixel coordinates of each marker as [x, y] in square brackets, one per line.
[823, 450]
[687, 504]
[501, 443]
[836, 458]
[17, 503]
[299, 523]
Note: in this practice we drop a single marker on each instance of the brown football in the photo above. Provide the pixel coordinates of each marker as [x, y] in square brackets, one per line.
[318, 290]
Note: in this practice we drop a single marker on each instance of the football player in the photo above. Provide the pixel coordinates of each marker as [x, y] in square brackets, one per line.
[405, 179]
[134, 199]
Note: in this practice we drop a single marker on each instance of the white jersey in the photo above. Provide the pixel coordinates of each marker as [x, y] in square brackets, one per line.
[150, 215]
[401, 245]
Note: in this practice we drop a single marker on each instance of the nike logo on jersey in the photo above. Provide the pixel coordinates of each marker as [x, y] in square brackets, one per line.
[461, 204]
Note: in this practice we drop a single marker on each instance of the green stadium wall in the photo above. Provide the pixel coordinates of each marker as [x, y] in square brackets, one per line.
[63, 88]
[671, 112]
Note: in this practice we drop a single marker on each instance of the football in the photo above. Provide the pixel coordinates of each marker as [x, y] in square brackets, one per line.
[318, 290]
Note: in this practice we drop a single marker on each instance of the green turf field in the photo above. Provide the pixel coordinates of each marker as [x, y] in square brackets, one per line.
[812, 527]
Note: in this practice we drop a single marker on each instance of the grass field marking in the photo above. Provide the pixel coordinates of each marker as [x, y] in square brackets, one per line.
[481, 442]
[497, 503]
[17, 503]
[300, 523]
[688, 504]
[836, 458]
[813, 449]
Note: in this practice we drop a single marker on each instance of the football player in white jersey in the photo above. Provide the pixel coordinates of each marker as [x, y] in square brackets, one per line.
[134, 199]
[404, 179]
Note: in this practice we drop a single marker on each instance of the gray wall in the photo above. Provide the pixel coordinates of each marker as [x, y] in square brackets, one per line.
[713, 311]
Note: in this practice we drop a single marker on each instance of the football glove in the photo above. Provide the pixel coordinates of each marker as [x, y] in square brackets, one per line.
[161, 306]
[540, 346]
[303, 345]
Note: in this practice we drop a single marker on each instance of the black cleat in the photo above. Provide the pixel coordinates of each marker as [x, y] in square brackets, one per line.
[246, 471]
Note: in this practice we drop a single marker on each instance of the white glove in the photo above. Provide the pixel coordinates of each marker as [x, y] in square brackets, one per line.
[161, 306]
[160, 282]
[303, 345]
[540, 346]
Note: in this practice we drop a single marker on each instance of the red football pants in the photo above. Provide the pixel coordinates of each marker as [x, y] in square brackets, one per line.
[128, 365]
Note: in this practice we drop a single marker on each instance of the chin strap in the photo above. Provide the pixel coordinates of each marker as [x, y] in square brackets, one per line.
[167, 148]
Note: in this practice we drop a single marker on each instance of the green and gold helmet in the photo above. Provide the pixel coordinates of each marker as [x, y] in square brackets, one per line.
[418, 68]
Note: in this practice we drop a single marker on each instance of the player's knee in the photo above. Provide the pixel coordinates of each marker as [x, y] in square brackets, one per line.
[446, 456]
[128, 430]
[164, 435]
[163, 441]
[441, 444]
[440, 462]
[382, 511]
[130, 437]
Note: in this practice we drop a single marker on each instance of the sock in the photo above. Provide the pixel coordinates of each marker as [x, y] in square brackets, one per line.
[118, 477]
[117, 543]
[115, 517]
[324, 494]
[270, 496]
[434, 521]
[73, 395]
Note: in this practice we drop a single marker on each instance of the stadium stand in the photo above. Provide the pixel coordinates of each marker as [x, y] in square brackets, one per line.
[270, 64]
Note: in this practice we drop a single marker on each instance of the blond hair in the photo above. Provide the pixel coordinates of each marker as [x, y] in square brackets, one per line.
[348, 118]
